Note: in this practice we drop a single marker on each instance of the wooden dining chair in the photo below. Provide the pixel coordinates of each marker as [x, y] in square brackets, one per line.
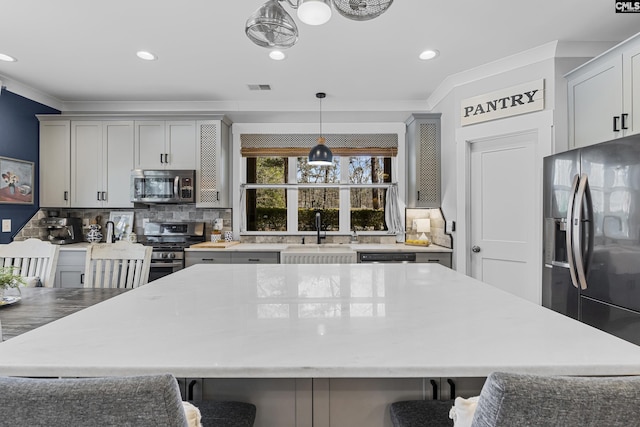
[32, 258]
[117, 265]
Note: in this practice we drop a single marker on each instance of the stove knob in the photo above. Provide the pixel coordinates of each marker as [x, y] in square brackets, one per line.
[163, 255]
[172, 255]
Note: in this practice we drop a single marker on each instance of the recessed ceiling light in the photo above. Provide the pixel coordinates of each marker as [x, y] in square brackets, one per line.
[429, 54]
[277, 55]
[7, 58]
[147, 56]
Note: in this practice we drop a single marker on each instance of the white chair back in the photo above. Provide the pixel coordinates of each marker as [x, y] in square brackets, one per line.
[32, 258]
[117, 265]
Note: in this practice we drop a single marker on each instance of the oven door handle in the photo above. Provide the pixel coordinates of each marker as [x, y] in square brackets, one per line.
[166, 264]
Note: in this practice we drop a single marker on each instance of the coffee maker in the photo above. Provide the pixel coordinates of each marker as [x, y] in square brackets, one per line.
[62, 231]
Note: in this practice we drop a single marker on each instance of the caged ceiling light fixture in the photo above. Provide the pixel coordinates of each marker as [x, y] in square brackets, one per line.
[321, 155]
[272, 27]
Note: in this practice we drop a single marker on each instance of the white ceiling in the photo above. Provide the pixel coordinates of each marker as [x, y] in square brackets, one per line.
[80, 52]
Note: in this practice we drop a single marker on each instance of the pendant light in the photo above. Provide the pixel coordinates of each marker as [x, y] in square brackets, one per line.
[321, 155]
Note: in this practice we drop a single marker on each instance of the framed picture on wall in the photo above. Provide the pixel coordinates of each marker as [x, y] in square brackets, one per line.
[16, 185]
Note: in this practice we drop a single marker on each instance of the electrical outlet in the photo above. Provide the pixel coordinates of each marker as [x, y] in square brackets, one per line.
[6, 225]
[449, 227]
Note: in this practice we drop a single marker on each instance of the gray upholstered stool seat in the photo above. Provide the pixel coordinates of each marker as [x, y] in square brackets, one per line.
[144, 401]
[421, 413]
[226, 414]
[510, 400]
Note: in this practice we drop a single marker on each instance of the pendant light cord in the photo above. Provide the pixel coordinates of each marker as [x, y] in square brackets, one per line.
[321, 95]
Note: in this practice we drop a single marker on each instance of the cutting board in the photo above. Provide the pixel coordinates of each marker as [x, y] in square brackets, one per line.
[213, 245]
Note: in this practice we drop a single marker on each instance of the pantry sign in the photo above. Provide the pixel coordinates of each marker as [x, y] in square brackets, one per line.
[521, 99]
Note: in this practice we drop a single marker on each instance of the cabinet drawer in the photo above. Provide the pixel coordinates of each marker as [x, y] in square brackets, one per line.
[206, 257]
[443, 258]
[255, 258]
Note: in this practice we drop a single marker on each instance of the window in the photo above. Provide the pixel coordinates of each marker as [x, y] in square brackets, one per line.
[283, 194]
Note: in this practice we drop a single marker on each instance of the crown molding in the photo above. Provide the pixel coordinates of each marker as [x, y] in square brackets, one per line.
[33, 94]
[554, 49]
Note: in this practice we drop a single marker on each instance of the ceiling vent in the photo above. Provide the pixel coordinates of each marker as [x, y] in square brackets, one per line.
[259, 87]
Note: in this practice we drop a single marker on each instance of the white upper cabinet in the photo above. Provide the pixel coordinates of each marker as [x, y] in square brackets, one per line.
[212, 170]
[55, 164]
[101, 163]
[603, 96]
[423, 161]
[631, 85]
[165, 144]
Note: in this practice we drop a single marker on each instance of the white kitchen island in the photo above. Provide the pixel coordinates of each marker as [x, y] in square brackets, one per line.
[317, 344]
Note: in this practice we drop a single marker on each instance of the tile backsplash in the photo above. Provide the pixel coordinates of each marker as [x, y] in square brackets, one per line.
[178, 213]
[437, 222]
[190, 213]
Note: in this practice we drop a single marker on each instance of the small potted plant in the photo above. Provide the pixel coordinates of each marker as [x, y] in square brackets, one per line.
[9, 280]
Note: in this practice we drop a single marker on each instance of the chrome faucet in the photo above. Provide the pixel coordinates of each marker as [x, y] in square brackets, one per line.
[318, 227]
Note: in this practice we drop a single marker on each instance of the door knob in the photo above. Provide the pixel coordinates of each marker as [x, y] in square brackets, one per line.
[475, 249]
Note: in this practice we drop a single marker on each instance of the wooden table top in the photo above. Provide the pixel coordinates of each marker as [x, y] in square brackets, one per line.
[40, 306]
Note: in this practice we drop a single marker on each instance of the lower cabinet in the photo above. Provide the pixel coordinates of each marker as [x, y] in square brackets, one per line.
[443, 258]
[217, 257]
[206, 257]
[326, 402]
[70, 269]
[255, 257]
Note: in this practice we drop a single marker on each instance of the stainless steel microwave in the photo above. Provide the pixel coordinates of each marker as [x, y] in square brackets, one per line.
[163, 186]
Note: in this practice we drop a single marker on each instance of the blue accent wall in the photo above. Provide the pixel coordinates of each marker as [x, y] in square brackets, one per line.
[19, 139]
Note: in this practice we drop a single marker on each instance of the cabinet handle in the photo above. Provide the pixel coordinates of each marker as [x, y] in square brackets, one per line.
[615, 123]
[82, 278]
[208, 259]
[418, 195]
[104, 196]
[66, 196]
[434, 389]
[624, 121]
[166, 158]
[98, 196]
[452, 388]
[254, 260]
[161, 161]
[190, 389]
[217, 196]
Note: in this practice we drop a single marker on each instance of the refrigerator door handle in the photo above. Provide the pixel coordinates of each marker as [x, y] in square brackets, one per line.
[576, 231]
[569, 234]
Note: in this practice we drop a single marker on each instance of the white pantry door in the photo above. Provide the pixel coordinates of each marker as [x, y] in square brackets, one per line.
[502, 217]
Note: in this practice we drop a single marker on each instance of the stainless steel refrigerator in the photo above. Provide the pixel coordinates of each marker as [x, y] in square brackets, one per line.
[591, 260]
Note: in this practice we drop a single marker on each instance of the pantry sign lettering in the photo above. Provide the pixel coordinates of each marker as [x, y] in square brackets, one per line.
[521, 99]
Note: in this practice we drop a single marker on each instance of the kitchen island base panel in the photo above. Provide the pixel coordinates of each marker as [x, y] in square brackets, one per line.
[325, 402]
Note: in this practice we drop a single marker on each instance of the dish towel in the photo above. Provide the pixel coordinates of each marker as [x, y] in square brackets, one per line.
[462, 411]
[193, 414]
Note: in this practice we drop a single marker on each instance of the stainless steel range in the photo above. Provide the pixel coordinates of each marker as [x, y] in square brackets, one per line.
[169, 240]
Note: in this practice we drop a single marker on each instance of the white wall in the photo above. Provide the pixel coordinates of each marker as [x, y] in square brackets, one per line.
[551, 70]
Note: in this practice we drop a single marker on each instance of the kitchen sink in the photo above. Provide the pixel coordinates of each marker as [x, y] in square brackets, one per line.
[318, 254]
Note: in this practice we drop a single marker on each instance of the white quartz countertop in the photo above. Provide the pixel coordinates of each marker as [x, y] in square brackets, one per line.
[358, 247]
[323, 321]
[279, 247]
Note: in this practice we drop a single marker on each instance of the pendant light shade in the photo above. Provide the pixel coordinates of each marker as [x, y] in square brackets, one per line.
[271, 26]
[320, 155]
[314, 12]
